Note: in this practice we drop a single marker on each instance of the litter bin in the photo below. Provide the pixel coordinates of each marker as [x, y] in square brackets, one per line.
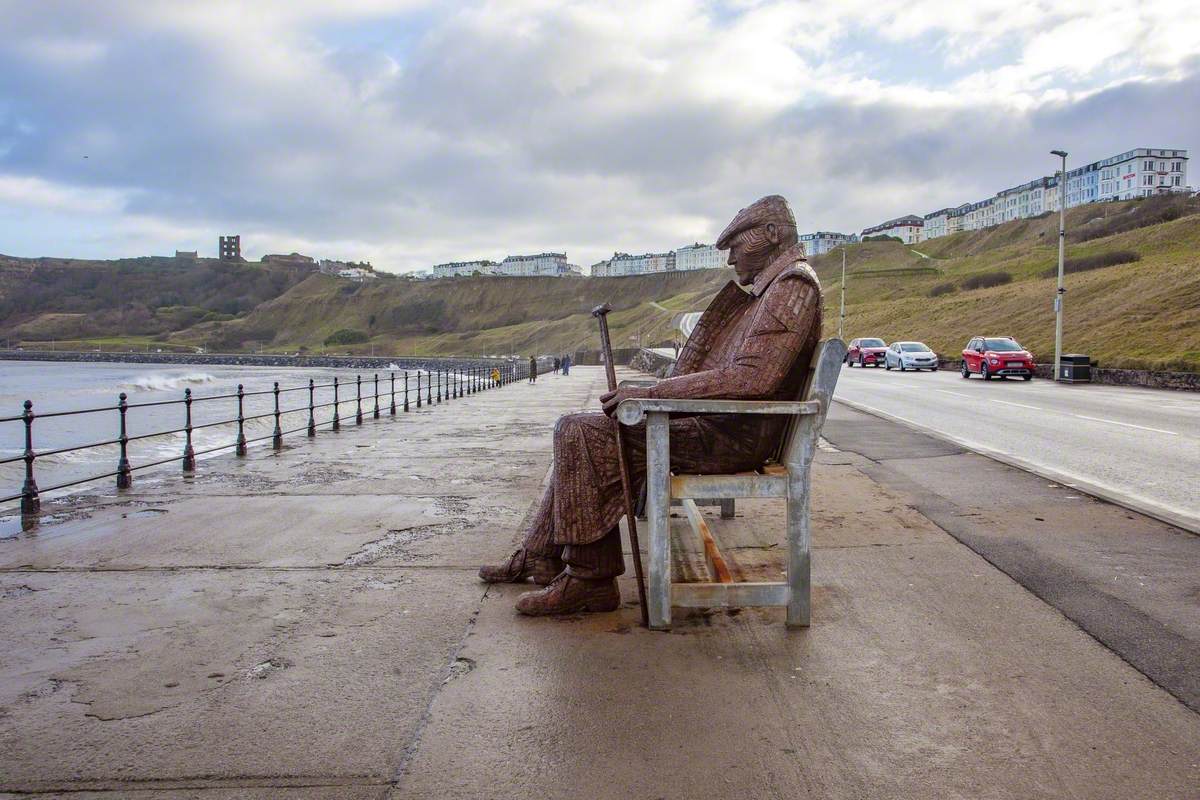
[1075, 368]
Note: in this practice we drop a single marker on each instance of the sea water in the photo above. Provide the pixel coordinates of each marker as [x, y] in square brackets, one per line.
[65, 386]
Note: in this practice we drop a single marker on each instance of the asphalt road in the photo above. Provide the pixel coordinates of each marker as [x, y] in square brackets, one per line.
[1138, 447]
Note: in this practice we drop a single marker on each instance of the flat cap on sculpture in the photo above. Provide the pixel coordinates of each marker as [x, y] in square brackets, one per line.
[772, 208]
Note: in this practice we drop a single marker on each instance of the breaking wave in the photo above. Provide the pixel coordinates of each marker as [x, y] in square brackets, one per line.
[166, 383]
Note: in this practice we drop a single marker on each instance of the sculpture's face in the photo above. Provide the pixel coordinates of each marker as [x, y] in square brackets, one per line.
[751, 251]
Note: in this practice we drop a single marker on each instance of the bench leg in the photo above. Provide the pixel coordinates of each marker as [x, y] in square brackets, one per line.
[727, 508]
[658, 513]
[799, 576]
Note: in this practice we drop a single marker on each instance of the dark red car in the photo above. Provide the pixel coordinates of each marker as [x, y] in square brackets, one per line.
[996, 356]
[866, 352]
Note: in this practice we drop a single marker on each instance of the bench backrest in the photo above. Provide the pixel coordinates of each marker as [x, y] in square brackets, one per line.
[818, 384]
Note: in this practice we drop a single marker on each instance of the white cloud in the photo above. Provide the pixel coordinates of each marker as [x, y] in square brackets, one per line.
[413, 132]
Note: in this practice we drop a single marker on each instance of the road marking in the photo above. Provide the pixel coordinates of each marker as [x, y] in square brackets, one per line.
[1018, 405]
[956, 394]
[1126, 424]
[1168, 513]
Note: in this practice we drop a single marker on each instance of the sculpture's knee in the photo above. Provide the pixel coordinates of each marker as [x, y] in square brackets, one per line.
[567, 425]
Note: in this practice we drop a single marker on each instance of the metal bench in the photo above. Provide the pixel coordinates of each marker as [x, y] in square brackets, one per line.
[786, 478]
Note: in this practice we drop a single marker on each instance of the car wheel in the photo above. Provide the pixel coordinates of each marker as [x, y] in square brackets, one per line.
[966, 371]
[983, 372]
[1027, 377]
[861, 363]
[887, 365]
[933, 369]
[902, 369]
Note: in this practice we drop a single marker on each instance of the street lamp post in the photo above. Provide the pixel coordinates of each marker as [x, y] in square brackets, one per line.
[842, 315]
[1062, 241]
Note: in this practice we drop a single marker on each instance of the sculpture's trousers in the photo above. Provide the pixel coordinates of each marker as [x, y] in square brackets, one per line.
[577, 517]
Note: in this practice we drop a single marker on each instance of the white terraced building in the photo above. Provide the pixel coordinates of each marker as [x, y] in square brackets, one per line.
[622, 264]
[699, 256]
[907, 228]
[456, 268]
[821, 242]
[1140, 172]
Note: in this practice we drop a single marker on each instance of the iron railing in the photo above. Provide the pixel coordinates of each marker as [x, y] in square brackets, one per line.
[438, 386]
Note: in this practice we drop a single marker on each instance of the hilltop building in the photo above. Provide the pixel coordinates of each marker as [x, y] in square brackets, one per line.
[907, 228]
[294, 261]
[622, 264]
[699, 256]
[357, 274]
[821, 242]
[554, 264]
[455, 268]
[230, 248]
[189, 255]
[1141, 172]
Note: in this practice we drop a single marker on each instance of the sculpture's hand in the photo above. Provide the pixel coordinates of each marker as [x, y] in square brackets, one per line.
[610, 400]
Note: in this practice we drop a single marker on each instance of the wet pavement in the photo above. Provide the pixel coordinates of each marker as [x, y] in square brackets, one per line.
[308, 624]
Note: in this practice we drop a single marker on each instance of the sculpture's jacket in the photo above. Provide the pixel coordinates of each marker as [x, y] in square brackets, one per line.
[753, 345]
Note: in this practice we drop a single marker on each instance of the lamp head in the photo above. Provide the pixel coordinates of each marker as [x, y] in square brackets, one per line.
[1059, 153]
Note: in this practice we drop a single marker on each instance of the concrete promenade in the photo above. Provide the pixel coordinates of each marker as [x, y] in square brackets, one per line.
[308, 624]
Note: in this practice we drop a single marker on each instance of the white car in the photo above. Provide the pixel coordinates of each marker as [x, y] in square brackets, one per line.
[910, 355]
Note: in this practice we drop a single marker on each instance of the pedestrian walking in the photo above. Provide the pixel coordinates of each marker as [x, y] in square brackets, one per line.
[566, 365]
[557, 364]
[533, 369]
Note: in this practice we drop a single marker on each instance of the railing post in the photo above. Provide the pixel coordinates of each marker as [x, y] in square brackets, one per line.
[375, 415]
[189, 455]
[358, 399]
[428, 387]
[241, 437]
[455, 379]
[277, 435]
[31, 503]
[418, 389]
[337, 425]
[439, 385]
[124, 474]
[312, 421]
[392, 410]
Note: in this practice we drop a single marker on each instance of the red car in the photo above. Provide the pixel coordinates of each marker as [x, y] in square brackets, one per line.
[866, 352]
[996, 356]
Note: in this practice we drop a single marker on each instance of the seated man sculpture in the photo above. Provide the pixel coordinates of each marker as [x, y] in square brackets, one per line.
[748, 345]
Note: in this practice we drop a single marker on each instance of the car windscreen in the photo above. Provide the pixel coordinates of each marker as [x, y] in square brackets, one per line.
[871, 343]
[1001, 345]
[914, 347]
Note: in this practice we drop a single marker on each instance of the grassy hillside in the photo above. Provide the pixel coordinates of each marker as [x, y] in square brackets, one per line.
[1143, 314]
[56, 298]
[463, 316]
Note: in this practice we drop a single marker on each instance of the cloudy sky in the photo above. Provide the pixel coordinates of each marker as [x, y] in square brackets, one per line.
[408, 133]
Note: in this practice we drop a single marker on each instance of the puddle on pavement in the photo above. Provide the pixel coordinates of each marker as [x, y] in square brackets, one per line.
[13, 525]
[144, 512]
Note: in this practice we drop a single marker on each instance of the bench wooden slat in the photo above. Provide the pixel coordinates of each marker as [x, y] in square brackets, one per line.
[748, 484]
[718, 569]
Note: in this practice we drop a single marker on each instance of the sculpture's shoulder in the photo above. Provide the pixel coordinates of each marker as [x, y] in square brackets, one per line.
[799, 270]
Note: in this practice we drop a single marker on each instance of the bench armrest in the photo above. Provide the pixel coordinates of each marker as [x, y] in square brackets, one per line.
[631, 412]
[639, 382]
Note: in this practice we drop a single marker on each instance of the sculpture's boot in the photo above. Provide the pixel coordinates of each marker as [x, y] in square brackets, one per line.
[568, 594]
[522, 565]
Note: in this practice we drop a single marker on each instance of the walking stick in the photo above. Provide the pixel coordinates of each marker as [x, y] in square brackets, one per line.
[601, 314]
